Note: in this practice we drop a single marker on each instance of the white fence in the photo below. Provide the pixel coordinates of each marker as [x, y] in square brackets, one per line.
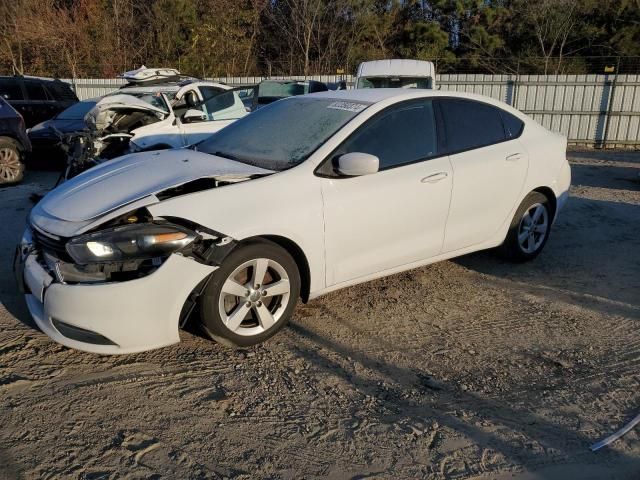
[591, 110]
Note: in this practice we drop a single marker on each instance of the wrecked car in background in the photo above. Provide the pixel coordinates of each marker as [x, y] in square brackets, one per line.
[46, 136]
[157, 109]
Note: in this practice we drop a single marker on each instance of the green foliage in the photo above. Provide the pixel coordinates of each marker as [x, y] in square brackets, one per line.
[242, 37]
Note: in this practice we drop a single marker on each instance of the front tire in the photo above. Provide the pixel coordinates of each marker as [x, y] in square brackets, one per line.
[251, 296]
[529, 229]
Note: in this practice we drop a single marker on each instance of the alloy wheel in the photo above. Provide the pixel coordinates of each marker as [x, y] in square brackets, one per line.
[254, 297]
[10, 165]
[533, 228]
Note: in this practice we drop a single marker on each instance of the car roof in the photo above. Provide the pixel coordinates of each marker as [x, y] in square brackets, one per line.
[31, 77]
[370, 95]
[377, 95]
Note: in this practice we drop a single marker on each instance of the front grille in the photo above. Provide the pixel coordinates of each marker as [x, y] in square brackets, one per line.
[55, 247]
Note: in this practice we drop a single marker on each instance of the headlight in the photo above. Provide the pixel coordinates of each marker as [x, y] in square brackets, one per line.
[127, 242]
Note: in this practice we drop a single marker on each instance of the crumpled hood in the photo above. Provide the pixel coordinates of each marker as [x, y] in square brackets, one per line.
[111, 107]
[119, 182]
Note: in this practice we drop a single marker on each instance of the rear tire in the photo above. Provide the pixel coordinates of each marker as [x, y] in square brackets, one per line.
[11, 166]
[251, 296]
[529, 229]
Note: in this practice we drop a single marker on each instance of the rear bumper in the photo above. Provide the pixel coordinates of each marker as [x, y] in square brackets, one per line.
[561, 187]
[112, 318]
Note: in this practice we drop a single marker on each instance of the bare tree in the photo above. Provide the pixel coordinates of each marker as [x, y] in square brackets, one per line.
[298, 20]
[11, 15]
[553, 22]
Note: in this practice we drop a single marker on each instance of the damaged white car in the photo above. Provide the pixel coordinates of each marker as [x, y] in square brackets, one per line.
[305, 196]
[154, 115]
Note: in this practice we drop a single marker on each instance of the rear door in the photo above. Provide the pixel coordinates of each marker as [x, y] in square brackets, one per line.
[52, 104]
[489, 168]
[40, 105]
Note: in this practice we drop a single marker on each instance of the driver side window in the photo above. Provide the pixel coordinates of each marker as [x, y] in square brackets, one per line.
[402, 135]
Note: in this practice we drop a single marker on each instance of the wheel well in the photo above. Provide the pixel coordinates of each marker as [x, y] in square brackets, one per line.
[553, 202]
[15, 141]
[301, 261]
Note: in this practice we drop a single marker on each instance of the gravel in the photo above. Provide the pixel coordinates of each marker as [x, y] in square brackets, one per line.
[472, 368]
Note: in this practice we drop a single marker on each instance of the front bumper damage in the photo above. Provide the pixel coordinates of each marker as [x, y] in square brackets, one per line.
[110, 317]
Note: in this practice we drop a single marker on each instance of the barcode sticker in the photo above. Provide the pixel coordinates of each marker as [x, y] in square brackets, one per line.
[348, 106]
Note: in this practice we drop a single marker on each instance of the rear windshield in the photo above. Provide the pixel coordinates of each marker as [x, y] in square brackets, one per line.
[281, 90]
[62, 91]
[77, 111]
[282, 134]
[394, 82]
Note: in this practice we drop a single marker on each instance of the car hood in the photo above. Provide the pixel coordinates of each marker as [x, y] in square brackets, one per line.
[45, 129]
[128, 179]
[111, 108]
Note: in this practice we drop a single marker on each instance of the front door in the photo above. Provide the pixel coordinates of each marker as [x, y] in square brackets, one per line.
[219, 108]
[396, 216]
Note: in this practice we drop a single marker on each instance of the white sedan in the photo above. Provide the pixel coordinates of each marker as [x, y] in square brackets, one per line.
[305, 196]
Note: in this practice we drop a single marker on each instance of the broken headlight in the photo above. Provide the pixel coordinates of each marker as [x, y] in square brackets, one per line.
[137, 241]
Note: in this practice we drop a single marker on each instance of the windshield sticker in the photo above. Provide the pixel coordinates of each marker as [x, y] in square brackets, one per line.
[348, 106]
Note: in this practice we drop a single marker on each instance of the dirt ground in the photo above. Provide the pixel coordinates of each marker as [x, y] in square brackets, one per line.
[467, 369]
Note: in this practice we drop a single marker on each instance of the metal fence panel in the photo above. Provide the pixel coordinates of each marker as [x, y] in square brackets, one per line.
[591, 110]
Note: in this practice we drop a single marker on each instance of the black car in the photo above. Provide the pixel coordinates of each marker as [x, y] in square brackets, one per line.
[37, 99]
[46, 136]
[14, 143]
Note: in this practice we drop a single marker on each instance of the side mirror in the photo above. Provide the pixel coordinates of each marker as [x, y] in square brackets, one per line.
[356, 164]
[192, 115]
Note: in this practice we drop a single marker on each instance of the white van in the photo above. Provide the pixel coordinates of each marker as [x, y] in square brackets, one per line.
[396, 74]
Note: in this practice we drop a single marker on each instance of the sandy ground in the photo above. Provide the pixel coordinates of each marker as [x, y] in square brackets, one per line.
[473, 369]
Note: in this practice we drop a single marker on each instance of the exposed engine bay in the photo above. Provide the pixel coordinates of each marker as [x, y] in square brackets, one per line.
[110, 124]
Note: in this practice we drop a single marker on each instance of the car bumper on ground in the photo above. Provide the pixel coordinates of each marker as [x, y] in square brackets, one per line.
[109, 318]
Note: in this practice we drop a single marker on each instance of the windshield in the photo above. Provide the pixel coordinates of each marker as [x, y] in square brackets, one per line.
[394, 82]
[77, 111]
[153, 98]
[282, 134]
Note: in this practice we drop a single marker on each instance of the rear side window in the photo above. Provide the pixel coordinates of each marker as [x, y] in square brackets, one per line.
[35, 91]
[404, 135]
[512, 124]
[10, 89]
[469, 124]
[62, 91]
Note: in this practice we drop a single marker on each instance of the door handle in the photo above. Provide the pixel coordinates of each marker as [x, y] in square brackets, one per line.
[514, 157]
[435, 177]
